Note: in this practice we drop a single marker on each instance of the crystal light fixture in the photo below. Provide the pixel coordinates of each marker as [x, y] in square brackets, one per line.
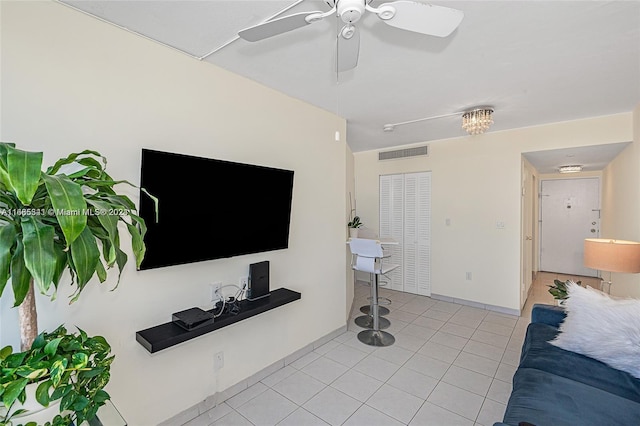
[477, 121]
[570, 169]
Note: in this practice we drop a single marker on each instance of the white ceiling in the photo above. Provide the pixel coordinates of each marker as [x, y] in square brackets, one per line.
[591, 158]
[535, 62]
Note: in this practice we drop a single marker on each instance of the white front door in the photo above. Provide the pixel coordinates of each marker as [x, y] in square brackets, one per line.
[569, 213]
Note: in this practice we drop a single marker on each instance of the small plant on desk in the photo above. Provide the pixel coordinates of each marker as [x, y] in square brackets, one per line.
[355, 222]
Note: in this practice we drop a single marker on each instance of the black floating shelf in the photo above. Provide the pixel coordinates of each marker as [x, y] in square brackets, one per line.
[164, 336]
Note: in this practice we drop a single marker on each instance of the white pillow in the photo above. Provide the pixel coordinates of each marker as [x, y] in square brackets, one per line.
[602, 328]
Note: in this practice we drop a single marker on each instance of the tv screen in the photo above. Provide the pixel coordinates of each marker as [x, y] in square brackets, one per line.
[211, 209]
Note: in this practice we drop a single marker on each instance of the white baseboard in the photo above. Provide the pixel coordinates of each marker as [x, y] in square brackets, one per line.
[493, 308]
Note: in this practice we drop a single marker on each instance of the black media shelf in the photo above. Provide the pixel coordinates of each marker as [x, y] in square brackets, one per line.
[164, 336]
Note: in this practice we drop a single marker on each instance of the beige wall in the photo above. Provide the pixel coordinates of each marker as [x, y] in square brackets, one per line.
[70, 82]
[621, 206]
[476, 182]
[350, 194]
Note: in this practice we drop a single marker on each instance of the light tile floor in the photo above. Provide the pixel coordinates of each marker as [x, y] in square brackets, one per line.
[451, 364]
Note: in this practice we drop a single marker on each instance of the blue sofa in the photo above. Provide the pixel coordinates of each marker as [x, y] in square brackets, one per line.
[556, 387]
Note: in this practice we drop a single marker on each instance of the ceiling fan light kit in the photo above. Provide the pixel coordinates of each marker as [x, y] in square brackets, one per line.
[404, 14]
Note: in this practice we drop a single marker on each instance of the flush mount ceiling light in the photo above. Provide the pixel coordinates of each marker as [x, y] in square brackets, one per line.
[570, 169]
[475, 121]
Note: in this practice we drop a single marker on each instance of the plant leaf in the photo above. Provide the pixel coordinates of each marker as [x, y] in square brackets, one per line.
[4, 172]
[5, 352]
[79, 360]
[42, 393]
[61, 263]
[80, 403]
[57, 370]
[109, 223]
[7, 243]
[137, 244]
[85, 255]
[14, 360]
[39, 342]
[68, 201]
[20, 275]
[67, 400]
[101, 396]
[13, 390]
[73, 158]
[52, 347]
[39, 254]
[24, 173]
[101, 272]
[61, 391]
[87, 374]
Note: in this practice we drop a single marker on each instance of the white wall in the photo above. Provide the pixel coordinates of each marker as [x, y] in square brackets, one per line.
[476, 182]
[621, 206]
[70, 82]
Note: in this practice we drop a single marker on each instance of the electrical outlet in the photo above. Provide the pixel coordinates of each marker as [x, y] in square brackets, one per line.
[469, 276]
[218, 361]
[216, 291]
[244, 281]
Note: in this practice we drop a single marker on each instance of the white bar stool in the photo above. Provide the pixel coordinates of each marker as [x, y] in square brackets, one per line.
[368, 255]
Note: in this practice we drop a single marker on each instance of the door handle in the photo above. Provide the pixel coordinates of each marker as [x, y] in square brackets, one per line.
[528, 238]
[593, 231]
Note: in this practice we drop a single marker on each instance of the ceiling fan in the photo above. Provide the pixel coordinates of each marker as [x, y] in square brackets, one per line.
[404, 14]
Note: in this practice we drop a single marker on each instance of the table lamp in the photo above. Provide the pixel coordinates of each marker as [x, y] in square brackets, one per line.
[612, 256]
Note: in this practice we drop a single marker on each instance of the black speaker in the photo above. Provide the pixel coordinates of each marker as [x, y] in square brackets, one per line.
[258, 280]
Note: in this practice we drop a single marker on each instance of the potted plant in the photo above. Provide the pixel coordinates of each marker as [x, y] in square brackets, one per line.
[353, 225]
[559, 290]
[69, 368]
[63, 218]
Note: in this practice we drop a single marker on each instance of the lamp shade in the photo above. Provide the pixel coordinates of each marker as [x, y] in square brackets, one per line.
[612, 255]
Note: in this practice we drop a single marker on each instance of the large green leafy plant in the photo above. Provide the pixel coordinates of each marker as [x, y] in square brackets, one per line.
[70, 367]
[63, 218]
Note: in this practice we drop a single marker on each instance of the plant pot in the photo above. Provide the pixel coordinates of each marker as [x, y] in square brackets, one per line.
[35, 412]
[353, 232]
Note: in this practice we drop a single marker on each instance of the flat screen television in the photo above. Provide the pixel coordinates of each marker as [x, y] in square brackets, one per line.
[211, 209]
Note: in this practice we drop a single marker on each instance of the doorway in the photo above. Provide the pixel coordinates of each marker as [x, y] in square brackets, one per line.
[529, 191]
[569, 213]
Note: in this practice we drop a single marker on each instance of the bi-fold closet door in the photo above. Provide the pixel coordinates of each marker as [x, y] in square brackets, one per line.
[405, 216]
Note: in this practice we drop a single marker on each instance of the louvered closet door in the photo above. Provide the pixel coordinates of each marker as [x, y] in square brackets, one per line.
[405, 216]
[417, 233]
[391, 225]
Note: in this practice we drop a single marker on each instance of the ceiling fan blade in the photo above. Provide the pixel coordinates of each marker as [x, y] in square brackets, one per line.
[348, 48]
[422, 18]
[278, 26]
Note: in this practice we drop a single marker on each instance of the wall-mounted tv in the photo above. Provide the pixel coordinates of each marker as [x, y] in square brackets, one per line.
[212, 209]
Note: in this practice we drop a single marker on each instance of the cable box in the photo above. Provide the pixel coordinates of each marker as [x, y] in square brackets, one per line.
[192, 318]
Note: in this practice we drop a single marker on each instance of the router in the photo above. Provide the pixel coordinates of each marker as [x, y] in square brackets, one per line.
[193, 318]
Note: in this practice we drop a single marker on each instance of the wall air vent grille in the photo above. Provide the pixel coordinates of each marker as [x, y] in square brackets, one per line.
[403, 153]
